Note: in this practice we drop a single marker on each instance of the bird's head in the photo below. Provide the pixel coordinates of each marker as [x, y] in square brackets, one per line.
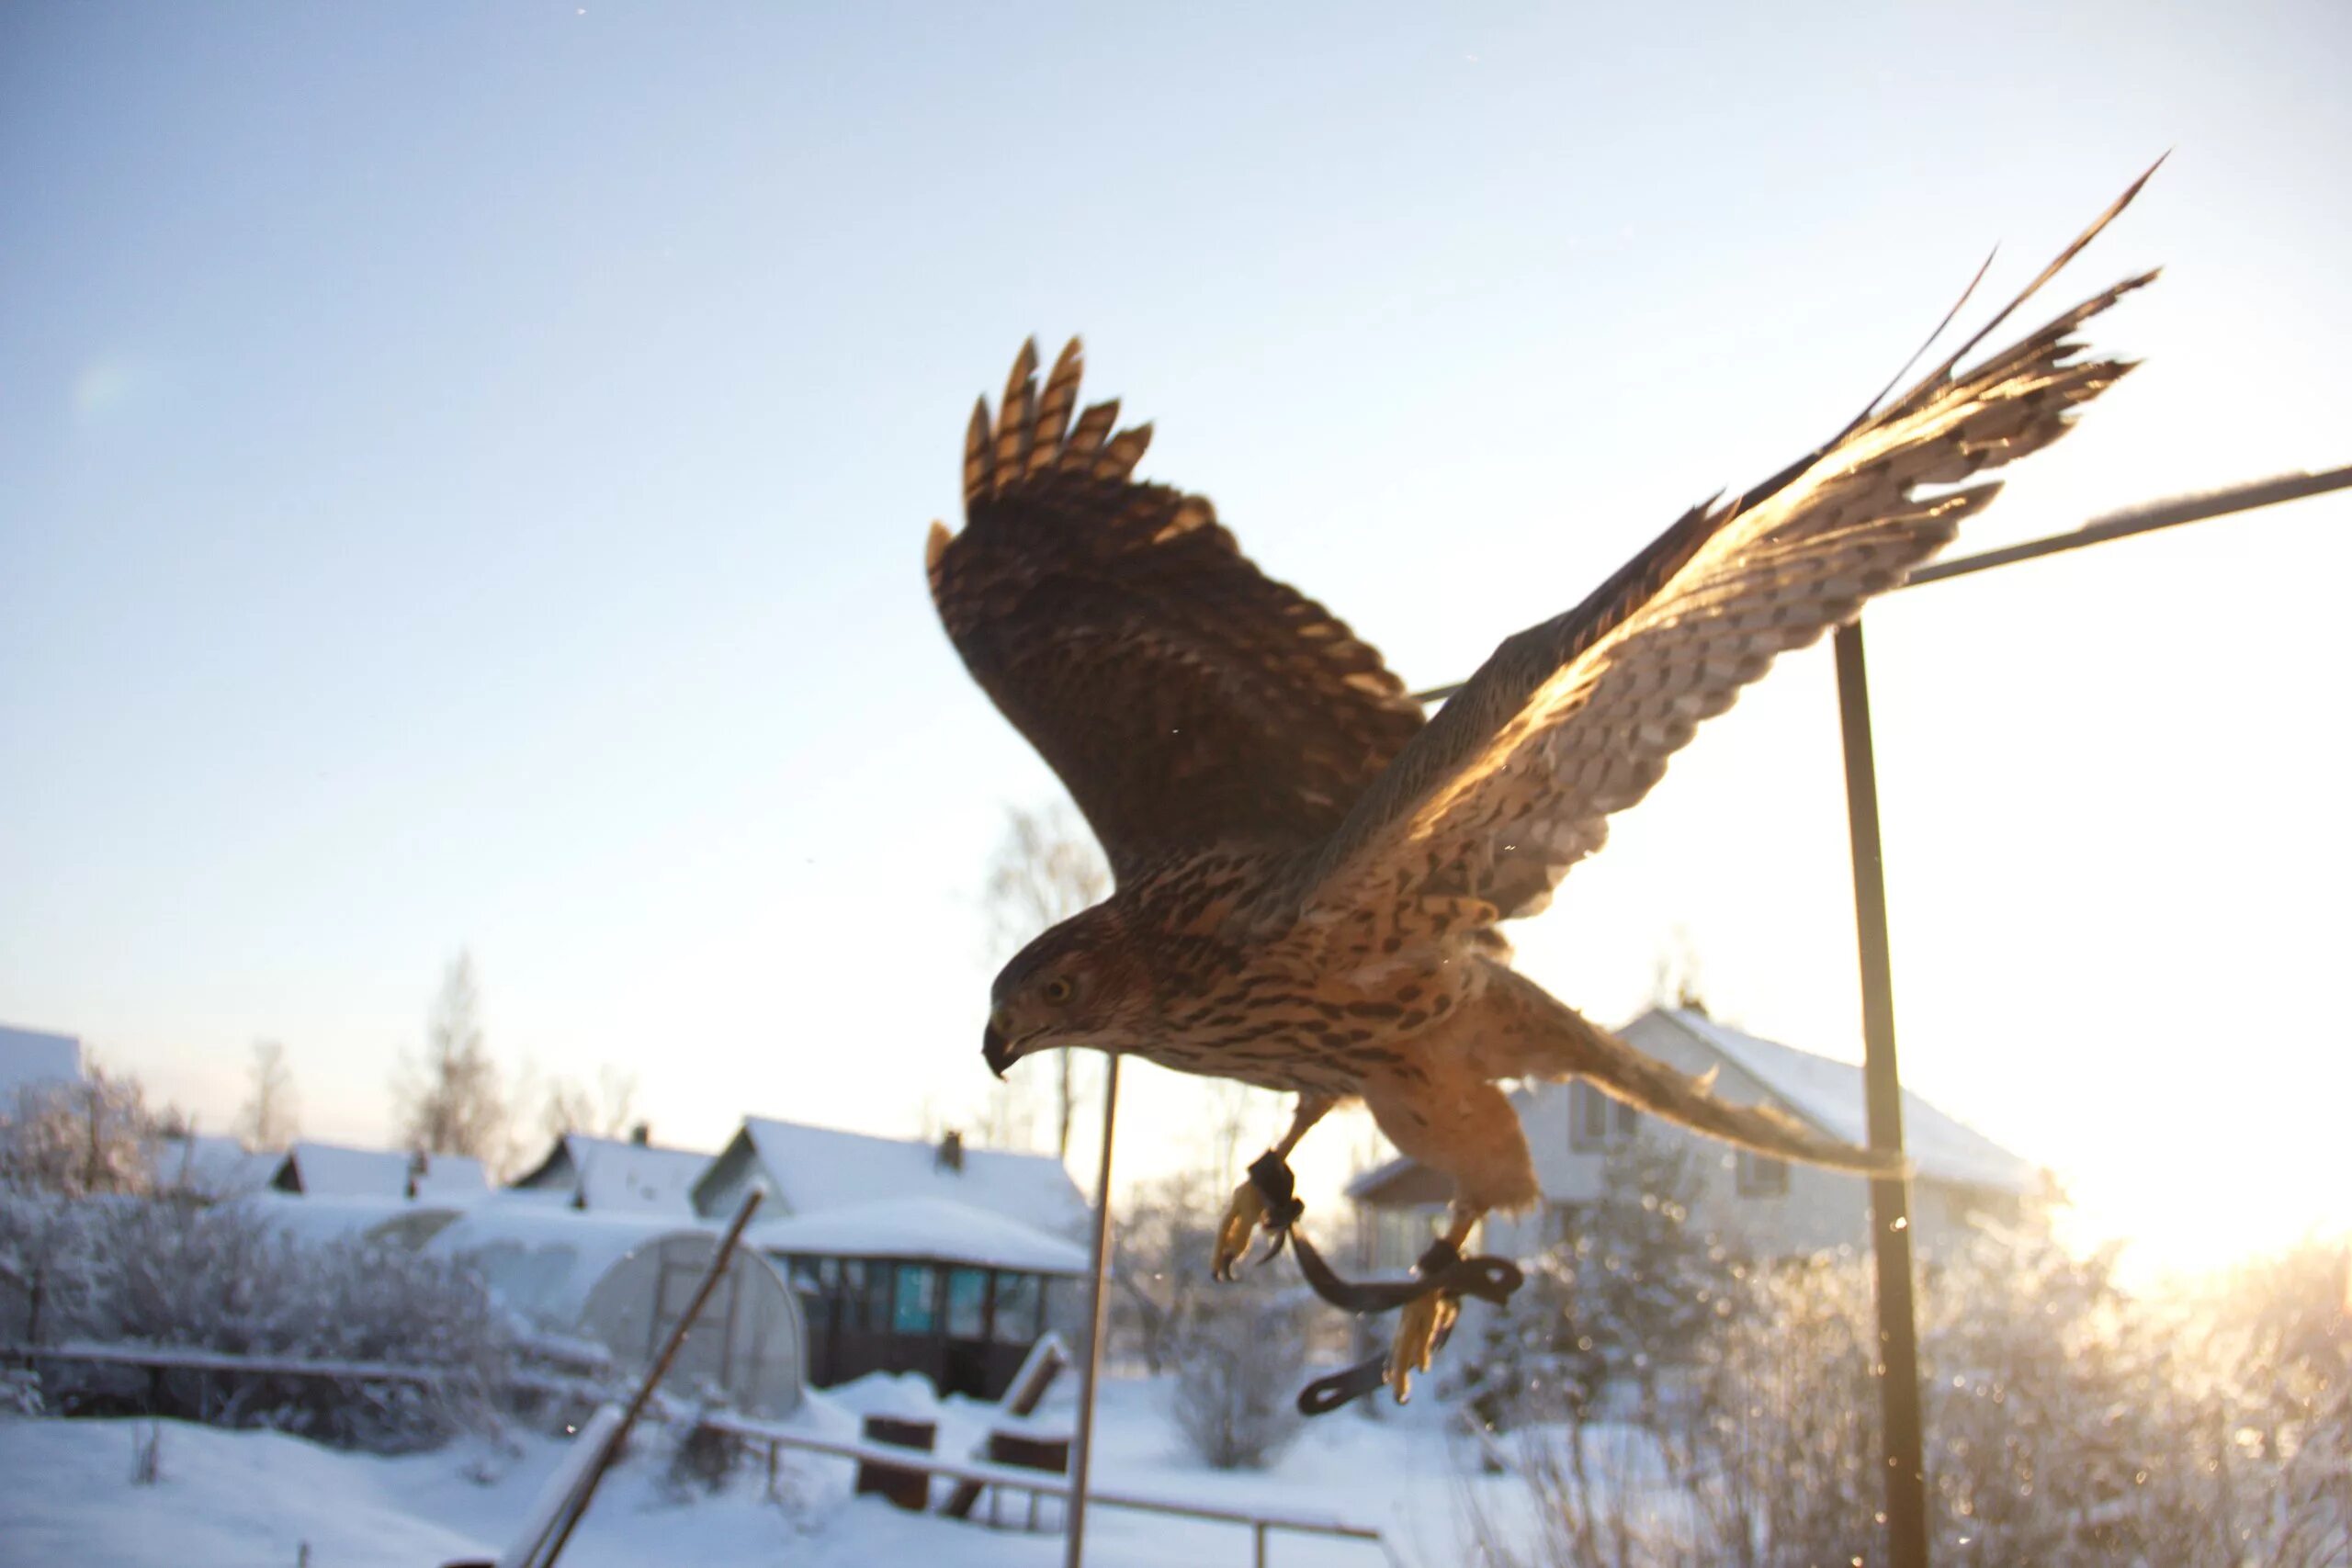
[1074, 986]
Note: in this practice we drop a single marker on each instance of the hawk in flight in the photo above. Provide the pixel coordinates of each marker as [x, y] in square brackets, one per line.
[1310, 875]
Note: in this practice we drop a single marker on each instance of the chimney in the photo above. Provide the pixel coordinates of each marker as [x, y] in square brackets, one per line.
[642, 1134]
[951, 1151]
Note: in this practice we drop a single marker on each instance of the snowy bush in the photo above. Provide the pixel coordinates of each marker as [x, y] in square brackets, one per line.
[1238, 1368]
[1159, 1266]
[48, 1270]
[2068, 1421]
[135, 1271]
[19, 1392]
[1529, 1359]
[1626, 1304]
[702, 1459]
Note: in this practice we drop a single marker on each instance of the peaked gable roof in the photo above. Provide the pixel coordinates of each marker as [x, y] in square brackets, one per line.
[617, 1177]
[1823, 1091]
[816, 1169]
[1829, 1094]
[211, 1165]
[332, 1170]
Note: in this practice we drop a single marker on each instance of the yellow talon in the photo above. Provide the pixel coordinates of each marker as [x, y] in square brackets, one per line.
[1233, 1231]
[1418, 1330]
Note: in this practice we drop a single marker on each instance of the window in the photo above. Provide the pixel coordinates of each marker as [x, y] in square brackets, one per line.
[968, 1300]
[912, 1308]
[865, 1302]
[1399, 1237]
[1017, 1298]
[1588, 1117]
[1761, 1176]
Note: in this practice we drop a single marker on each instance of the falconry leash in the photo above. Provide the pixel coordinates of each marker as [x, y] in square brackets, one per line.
[1442, 1272]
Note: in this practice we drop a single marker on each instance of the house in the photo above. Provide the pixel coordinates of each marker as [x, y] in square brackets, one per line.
[926, 1285]
[1773, 1208]
[211, 1166]
[331, 1170]
[34, 1059]
[804, 1169]
[908, 1255]
[610, 1176]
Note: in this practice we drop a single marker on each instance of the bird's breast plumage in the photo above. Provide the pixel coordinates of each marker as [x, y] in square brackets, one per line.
[1292, 1007]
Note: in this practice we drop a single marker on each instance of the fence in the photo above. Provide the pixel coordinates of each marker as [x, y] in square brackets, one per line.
[1261, 1524]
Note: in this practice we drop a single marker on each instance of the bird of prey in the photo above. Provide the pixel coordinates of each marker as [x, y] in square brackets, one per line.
[1309, 875]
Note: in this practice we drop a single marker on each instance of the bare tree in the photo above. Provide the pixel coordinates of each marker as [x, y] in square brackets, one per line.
[1004, 1118]
[1235, 1114]
[605, 1110]
[1676, 979]
[78, 1139]
[1046, 869]
[452, 1103]
[268, 1118]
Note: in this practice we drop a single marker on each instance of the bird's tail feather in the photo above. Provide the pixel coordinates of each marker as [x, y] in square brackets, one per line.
[1547, 1039]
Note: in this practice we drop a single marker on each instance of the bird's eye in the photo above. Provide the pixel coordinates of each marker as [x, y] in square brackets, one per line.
[1057, 990]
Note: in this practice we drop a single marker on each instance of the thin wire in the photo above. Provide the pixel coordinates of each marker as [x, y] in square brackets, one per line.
[2145, 518]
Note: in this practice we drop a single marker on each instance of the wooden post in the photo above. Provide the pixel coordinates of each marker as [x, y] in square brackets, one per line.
[1902, 1446]
[1091, 1374]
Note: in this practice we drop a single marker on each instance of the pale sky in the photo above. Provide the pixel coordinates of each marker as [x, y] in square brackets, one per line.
[463, 472]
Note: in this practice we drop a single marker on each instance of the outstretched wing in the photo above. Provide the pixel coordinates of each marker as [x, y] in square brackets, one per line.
[1183, 697]
[1573, 720]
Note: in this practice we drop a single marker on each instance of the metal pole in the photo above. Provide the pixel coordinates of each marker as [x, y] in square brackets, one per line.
[1906, 1502]
[1089, 1375]
[1898, 1337]
[653, 1379]
[2145, 518]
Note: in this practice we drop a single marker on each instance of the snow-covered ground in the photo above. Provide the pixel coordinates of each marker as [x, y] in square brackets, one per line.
[254, 1499]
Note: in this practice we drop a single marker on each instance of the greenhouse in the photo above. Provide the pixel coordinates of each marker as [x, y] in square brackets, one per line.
[624, 1282]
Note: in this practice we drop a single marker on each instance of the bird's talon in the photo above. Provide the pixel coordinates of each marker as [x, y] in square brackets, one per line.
[1424, 1321]
[1241, 1217]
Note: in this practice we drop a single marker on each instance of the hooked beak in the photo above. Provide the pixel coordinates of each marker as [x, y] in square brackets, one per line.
[995, 1050]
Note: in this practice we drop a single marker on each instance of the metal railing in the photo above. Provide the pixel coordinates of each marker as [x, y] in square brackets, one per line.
[1261, 1523]
[169, 1358]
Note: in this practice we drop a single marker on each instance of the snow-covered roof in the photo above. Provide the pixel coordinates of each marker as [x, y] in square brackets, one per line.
[1365, 1182]
[212, 1166]
[31, 1058]
[816, 1169]
[927, 1229]
[1829, 1094]
[449, 1178]
[329, 1170]
[611, 1175]
[1826, 1092]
